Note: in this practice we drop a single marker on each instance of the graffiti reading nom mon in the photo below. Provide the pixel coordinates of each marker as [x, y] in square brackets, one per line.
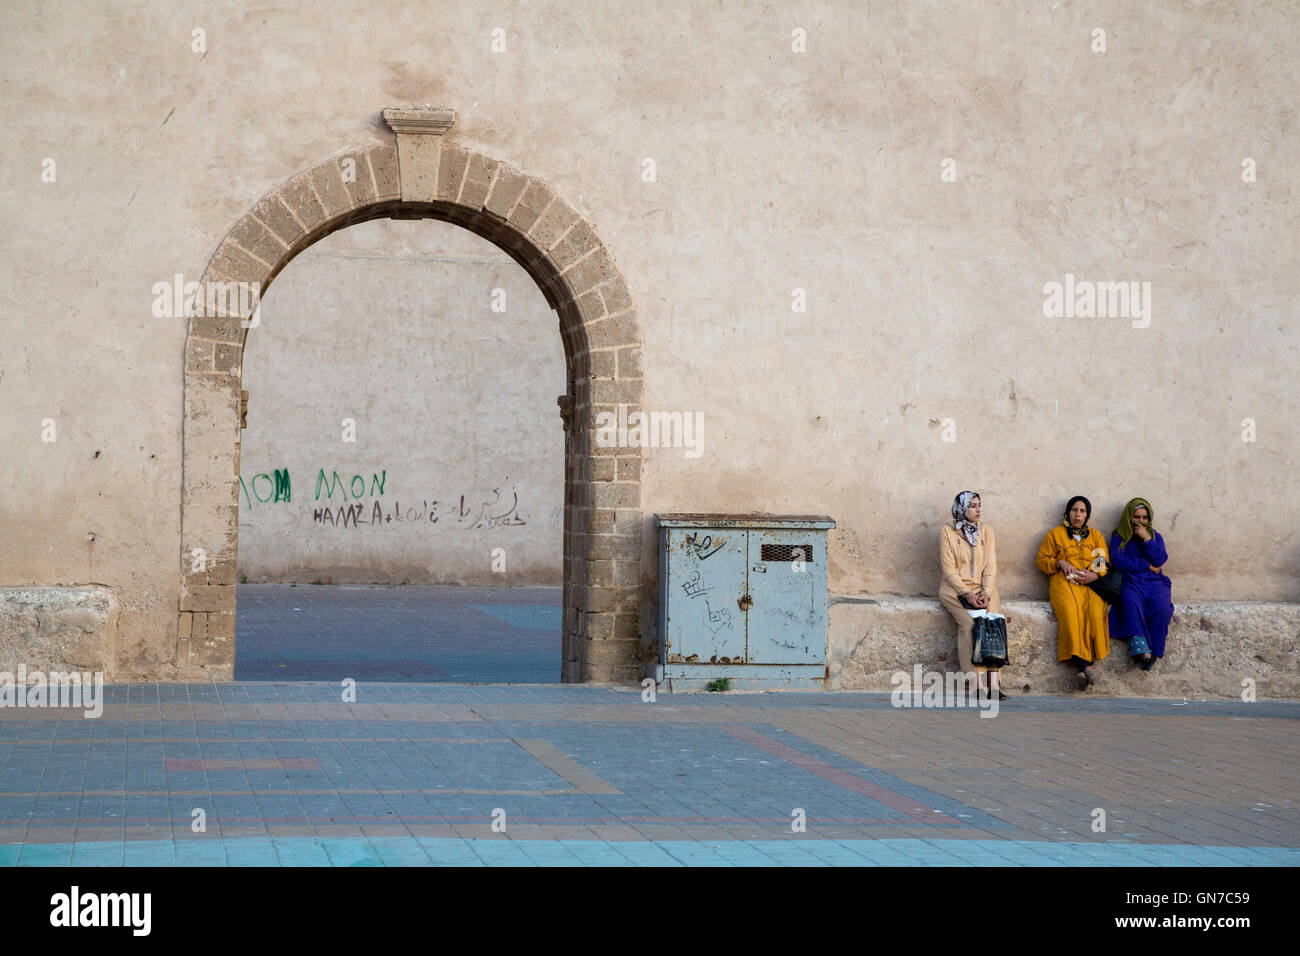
[338, 503]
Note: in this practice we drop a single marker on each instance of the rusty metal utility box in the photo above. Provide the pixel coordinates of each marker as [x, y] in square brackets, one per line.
[742, 597]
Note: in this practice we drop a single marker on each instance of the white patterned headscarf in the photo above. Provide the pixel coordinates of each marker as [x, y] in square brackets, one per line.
[970, 529]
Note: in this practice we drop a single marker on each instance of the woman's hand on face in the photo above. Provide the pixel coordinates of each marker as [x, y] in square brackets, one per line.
[1141, 531]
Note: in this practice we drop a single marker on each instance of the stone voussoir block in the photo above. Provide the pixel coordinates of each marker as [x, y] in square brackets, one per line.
[354, 169]
[251, 234]
[198, 355]
[238, 265]
[384, 169]
[300, 199]
[630, 362]
[604, 364]
[615, 295]
[228, 358]
[616, 391]
[275, 215]
[553, 224]
[536, 197]
[506, 189]
[616, 331]
[576, 243]
[327, 180]
[589, 272]
[589, 305]
[452, 163]
[479, 174]
[219, 328]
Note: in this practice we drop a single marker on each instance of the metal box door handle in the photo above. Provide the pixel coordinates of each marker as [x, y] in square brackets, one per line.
[745, 602]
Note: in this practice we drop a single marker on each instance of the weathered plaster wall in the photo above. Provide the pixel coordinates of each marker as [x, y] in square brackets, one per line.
[457, 437]
[774, 171]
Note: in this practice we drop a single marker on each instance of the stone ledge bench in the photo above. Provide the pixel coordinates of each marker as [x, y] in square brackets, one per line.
[53, 628]
[1213, 648]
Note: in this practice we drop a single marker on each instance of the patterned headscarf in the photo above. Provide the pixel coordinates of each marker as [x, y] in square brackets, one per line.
[1085, 530]
[1125, 529]
[970, 529]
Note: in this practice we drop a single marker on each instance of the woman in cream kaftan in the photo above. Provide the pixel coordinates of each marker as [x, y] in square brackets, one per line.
[969, 564]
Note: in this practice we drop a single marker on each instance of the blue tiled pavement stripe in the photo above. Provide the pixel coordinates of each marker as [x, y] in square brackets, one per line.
[579, 694]
[421, 851]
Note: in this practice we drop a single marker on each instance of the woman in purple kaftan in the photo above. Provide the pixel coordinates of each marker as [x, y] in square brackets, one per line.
[1145, 609]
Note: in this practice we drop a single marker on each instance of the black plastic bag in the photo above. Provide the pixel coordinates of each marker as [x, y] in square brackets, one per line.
[989, 641]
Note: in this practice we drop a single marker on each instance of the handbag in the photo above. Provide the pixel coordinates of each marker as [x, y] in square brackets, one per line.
[988, 640]
[1110, 587]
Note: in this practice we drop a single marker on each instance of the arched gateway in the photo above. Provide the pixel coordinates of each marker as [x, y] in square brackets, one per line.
[423, 176]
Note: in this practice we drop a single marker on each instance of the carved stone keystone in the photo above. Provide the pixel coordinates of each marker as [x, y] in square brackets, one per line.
[419, 140]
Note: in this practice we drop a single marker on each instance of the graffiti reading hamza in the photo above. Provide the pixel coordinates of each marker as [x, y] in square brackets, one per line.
[468, 512]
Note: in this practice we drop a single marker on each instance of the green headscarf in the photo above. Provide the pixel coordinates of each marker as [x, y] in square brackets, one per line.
[1125, 529]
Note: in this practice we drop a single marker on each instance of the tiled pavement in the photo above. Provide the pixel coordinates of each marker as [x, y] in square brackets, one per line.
[417, 773]
[288, 773]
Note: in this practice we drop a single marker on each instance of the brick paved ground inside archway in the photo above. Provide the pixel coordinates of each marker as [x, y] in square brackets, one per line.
[289, 774]
[411, 633]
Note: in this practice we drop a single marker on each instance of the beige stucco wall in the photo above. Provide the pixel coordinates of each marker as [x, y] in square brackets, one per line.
[445, 356]
[775, 170]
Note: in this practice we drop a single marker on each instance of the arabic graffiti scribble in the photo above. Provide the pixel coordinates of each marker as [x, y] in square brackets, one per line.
[701, 546]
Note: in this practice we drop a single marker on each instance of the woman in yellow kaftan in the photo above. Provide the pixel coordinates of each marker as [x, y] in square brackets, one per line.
[1073, 555]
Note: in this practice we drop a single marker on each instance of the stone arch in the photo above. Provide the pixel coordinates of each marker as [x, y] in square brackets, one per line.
[424, 176]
